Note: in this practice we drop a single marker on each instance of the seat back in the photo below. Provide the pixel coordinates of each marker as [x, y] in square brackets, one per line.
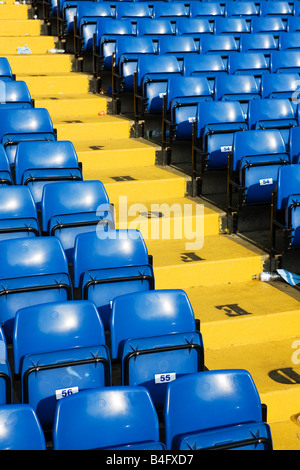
[14, 94]
[289, 41]
[236, 87]
[162, 64]
[131, 45]
[208, 65]
[207, 10]
[269, 113]
[218, 44]
[244, 9]
[167, 10]
[285, 62]
[278, 85]
[126, 413]
[278, 8]
[133, 10]
[113, 27]
[258, 42]
[16, 202]
[208, 401]
[176, 45]
[218, 112]
[288, 181]
[22, 428]
[5, 70]
[192, 87]
[193, 26]
[268, 24]
[5, 169]
[247, 63]
[294, 144]
[236, 26]
[154, 27]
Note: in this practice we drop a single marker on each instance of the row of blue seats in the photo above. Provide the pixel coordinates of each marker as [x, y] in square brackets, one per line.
[124, 418]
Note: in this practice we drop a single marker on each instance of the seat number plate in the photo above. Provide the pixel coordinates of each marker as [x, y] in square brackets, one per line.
[65, 392]
[165, 378]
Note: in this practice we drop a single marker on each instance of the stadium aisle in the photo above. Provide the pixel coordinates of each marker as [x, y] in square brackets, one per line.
[245, 323]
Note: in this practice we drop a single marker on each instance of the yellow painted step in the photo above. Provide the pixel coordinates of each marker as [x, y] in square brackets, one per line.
[167, 218]
[286, 434]
[29, 64]
[139, 184]
[92, 127]
[275, 368]
[114, 154]
[245, 312]
[49, 84]
[207, 261]
[36, 44]
[20, 27]
[13, 12]
[72, 106]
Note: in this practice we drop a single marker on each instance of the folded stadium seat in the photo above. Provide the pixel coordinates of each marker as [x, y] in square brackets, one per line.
[196, 27]
[180, 106]
[293, 24]
[178, 45]
[235, 26]
[40, 163]
[289, 41]
[216, 410]
[248, 63]
[242, 88]
[253, 166]
[21, 429]
[259, 42]
[17, 125]
[18, 213]
[296, 11]
[215, 126]
[122, 418]
[15, 94]
[280, 85]
[6, 177]
[269, 24]
[68, 10]
[279, 9]
[221, 44]
[59, 349]
[269, 113]
[32, 271]
[72, 207]
[150, 81]
[172, 10]
[153, 335]
[285, 209]
[155, 27]
[107, 31]
[6, 390]
[209, 10]
[205, 65]
[294, 144]
[108, 266]
[243, 9]
[285, 62]
[133, 10]
[6, 73]
[85, 21]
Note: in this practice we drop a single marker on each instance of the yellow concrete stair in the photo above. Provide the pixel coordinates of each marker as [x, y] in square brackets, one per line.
[21, 27]
[13, 12]
[39, 64]
[36, 44]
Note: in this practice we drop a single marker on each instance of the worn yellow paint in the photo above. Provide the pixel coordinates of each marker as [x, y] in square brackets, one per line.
[39, 64]
[72, 106]
[36, 44]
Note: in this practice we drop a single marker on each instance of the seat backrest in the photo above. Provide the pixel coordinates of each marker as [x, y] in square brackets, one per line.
[152, 313]
[149, 26]
[31, 256]
[14, 93]
[269, 109]
[211, 63]
[218, 112]
[71, 197]
[193, 26]
[16, 202]
[111, 26]
[188, 86]
[167, 45]
[133, 10]
[230, 85]
[247, 62]
[232, 25]
[206, 10]
[288, 182]
[87, 9]
[289, 41]
[113, 249]
[217, 43]
[44, 154]
[278, 85]
[22, 428]
[278, 8]
[258, 42]
[244, 9]
[210, 399]
[4, 162]
[156, 64]
[256, 142]
[165, 10]
[267, 24]
[133, 45]
[126, 414]
[56, 326]
[294, 144]
[282, 60]
[5, 69]
[24, 121]
[293, 23]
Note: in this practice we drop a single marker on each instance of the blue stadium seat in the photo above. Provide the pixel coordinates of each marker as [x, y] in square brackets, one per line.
[216, 124]
[61, 344]
[206, 65]
[259, 42]
[6, 73]
[32, 271]
[270, 24]
[40, 163]
[172, 10]
[72, 207]
[293, 24]
[155, 27]
[256, 157]
[285, 62]
[15, 94]
[154, 336]
[196, 27]
[248, 63]
[242, 88]
[17, 125]
[235, 26]
[133, 10]
[215, 410]
[178, 45]
[269, 113]
[289, 41]
[6, 381]
[21, 429]
[6, 177]
[279, 85]
[210, 10]
[285, 212]
[18, 213]
[294, 144]
[110, 264]
[125, 414]
[107, 31]
[279, 9]
[221, 44]
[245, 9]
